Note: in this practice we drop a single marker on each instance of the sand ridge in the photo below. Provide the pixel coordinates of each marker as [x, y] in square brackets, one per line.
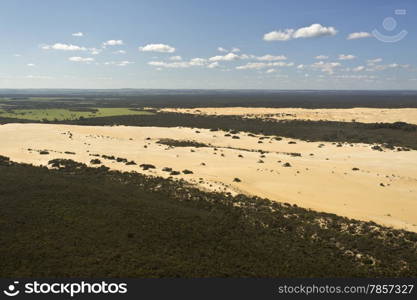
[382, 189]
[358, 114]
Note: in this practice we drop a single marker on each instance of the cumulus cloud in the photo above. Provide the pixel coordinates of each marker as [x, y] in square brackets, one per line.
[355, 77]
[262, 65]
[327, 67]
[314, 30]
[197, 61]
[122, 63]
[81, 59]
[175, 58]
[372, 62]
[227, 57]
[346, 57]
[388, 66]
[162, 48]
[173, 65]
[79, 34]
[213, 65]
[30, 65]
[359, 69]
[270, 71]
[94, 51]
[63, 47]
[178, 64]
[358, 35]
[113, 43]
[234, 49]
[269, 57]
[280, 35]
[321, 57]
[120, 52]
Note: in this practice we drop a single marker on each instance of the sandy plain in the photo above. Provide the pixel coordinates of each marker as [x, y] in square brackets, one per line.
[383, 189]
[358, 114]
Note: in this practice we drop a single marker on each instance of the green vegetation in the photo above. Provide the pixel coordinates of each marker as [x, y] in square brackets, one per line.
[59, 114]
[75, 221]
[389, 135]
[181, 143]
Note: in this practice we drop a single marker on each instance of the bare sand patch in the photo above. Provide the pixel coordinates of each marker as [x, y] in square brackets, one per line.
[358, 114]
[382, 189]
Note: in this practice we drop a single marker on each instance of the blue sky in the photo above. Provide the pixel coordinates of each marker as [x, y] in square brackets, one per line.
[208, 44]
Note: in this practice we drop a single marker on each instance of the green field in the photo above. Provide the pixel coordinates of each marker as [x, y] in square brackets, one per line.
[67, 114]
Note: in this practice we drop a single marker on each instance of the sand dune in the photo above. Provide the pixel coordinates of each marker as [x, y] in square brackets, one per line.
[359, 114]
[383, 189]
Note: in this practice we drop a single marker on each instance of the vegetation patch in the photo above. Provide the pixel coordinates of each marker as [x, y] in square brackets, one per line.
[77, 221]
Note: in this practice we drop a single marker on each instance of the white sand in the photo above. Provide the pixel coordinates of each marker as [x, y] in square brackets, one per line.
[323, 185]
[359, 114]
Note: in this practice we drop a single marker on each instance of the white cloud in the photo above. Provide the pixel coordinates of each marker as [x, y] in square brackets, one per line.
[388, 66]
[346, 57]
[30, 65]
[359, 69]
[270, 71]
[157, 48]
[301, 67]
[79, 34]
[113, 43]
[17, 55]
[81, 59]
[321, 57]
[95, 51]
[63, 47]
[358, 35]
[119, 63]
[197, 61]
[354, 77]
[226, 57]
[213, 65]
[120, 52]
[372, 62]
[262, 65]
[314, 30]
[175, 65]
[280, 35]
[269, 57]
[327, 67]
[221, 49]
[175, 58]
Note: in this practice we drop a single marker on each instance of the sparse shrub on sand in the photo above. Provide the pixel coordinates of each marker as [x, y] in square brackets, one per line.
[147, 166]
[95, 161]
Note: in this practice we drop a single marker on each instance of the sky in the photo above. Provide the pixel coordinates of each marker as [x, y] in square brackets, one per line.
[185, 44]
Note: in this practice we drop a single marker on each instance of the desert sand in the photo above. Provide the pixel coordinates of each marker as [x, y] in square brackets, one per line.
[321, 178]
[359, 114]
